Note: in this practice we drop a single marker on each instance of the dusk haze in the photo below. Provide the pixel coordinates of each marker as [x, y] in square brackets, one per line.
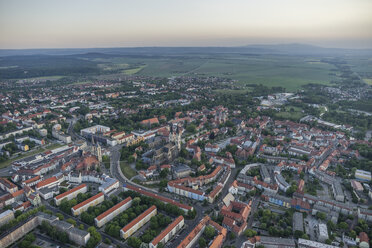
[186, 123]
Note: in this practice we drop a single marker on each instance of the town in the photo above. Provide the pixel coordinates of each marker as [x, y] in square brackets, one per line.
[154, 162]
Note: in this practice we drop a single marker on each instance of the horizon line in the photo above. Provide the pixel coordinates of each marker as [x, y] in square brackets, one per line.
[240, 46]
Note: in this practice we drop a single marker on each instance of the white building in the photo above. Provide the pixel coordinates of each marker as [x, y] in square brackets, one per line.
[138, 222]
[110, 214]
[109, 185]
[83, 206]
[323, 232]
[304, 243]
[70, 194]
[168, 232]
[6, 216]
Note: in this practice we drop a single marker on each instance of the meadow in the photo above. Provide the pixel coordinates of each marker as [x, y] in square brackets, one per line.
[290, 71]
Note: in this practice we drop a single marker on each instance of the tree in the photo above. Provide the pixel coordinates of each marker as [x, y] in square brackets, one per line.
[343, 225]
[60, 216]
[71, 221]
[134, 242]
[250, 233]
[232, 236]
[321, 215]
[202, 242]
[209, 232]
[164, 173]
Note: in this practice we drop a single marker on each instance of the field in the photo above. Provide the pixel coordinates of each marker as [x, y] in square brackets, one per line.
[290, 71]
[290, 113]
[368, 80]
[127, 170]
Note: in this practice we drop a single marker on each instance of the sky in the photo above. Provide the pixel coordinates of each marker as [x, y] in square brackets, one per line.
[137, 23]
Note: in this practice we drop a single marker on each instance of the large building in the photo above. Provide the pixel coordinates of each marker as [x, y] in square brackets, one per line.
[168, 232]
[47, 183]
[109, 185]
[195, 234]
[184, 207]
[322, 232]
[138, 222]
[6, 216]
[338, 192]
[70, 194]
[83, 206]
[7, 185]
[304, 243]
[108, 215]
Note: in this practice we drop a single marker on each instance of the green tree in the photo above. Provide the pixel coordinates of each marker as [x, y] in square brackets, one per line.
[202, 242]
[60, 216]
[209, 232]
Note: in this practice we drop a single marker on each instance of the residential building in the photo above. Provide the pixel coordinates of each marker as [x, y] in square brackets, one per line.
[7, 185]
[304, 243]
[108, 215]
[83, 206]
[322, 232]
[138, 222]
[70, 194]
[168, 232]
[6, 216]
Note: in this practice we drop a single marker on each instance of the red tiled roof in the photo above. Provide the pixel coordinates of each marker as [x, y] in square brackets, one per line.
[31, 180]
[167, 230]
[70, 191]
[104, 214]
[46, 182]
[18, 192]
[139, 218]
[156, 196]
[81, 204]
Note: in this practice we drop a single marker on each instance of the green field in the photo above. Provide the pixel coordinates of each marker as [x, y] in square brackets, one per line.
[290, 72]
[368, 80]
[291, 113]
[127, 170]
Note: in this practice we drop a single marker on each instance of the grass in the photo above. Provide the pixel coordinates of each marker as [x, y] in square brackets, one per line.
[286, 113]
[127, 170]
[368, 80]
[133, 70]
[290, 72]
[51, 78]
[30, 153]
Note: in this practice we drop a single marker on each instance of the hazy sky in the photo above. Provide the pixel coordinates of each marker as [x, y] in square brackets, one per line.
[117, 23]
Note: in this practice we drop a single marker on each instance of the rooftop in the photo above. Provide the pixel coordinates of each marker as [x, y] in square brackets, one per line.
[81, 204]
[117, 206]
[139, 218]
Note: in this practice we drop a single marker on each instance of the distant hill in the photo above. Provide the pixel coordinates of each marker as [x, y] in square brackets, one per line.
[292, 49]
